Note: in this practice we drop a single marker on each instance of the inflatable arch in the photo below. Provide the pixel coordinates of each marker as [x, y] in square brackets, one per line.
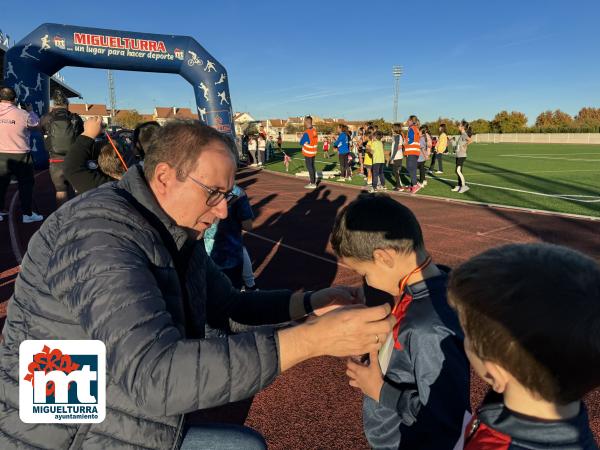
[29, 65]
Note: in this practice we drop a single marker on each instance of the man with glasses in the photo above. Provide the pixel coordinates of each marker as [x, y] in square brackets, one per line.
[124, 264]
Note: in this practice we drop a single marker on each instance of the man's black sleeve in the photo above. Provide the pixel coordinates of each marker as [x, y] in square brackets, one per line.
[77, 172]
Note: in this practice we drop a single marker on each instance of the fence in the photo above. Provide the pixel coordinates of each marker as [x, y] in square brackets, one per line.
[538, 138]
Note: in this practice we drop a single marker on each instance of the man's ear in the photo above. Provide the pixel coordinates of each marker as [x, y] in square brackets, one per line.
[496, 376]
[163, 177]
[382, 256]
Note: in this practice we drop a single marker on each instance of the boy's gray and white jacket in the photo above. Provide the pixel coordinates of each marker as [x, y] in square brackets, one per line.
[426, 386]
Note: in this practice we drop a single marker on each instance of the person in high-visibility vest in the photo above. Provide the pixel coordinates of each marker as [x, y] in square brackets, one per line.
[412, 150]
[309, 143]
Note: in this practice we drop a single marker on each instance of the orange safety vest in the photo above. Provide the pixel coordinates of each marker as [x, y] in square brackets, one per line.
[413, 148]
[310, 149]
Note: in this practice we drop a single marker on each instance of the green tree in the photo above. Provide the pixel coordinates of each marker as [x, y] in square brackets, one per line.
[513, 122]
[588, 118]
[250, 128]
[291, 128]
[480, 126]
[383, 126]
[451, 125]
[129, 119]
[326, 128]
[554, 119]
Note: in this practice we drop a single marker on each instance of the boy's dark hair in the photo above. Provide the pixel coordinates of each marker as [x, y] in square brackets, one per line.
[397, 128]
[7, 94]
[109, 162]
[375, 221]
[378, 135]
[467, 127]
[142, 135]
[308, 118]
[534, 309]
[443, 128]
[179, 144]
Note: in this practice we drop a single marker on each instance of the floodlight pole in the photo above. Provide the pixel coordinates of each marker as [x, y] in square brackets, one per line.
[396, 71]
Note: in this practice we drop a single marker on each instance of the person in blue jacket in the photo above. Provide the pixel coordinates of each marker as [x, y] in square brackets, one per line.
[342, 145]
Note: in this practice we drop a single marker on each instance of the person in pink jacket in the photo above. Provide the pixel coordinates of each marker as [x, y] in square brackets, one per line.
[15, 158]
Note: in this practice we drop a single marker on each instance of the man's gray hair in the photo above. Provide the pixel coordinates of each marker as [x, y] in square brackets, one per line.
[179, 144]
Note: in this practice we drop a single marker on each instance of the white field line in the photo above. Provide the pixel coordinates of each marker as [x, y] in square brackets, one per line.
[553, 154]
[304, 252]
[438, 199]
[533, 173]
[549, 158]
[572, 197]
[386, 169]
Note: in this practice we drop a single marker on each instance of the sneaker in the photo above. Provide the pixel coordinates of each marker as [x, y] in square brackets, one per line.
[249, 288]
[416, 189]
[398, 189]
[464, 189]
[3, 213]
[438, 171]
[424, 183]
[310, 186]
[371, 190]
[429, 171]
[32, 218]
[456, 189]
[348, 178]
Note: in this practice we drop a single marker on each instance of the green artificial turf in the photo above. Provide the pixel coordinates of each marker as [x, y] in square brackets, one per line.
[525, 175]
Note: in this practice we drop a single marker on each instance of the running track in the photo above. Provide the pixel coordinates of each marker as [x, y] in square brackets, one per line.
[311, 405]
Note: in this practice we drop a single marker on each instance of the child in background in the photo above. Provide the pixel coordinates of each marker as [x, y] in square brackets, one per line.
[368, 159]
[440, 148]
[397, 155]
[378, 181]
[531, 316]
[412, 150]
[223, 240]
[461, 156]
[425, 150]
[326, 147]
[417, 388]
[279, 142]
[253, 150]
[343, 149]
[262, 148]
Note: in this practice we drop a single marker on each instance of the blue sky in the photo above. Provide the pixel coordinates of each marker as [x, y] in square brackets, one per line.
[463, 59]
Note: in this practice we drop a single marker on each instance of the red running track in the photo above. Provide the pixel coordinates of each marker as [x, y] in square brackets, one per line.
[311, 405]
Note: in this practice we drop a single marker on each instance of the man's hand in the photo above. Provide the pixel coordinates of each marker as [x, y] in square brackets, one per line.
[368, 378]
[353, 330]
[92, 127]
[332, 298]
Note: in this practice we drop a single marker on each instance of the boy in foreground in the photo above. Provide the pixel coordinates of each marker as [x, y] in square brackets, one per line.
[531, 315]
[417, 388]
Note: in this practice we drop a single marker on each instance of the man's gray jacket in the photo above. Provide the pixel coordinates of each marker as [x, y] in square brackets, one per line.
[97, 269]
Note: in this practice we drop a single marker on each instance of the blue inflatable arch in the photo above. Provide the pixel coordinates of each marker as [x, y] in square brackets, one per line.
[29, 65]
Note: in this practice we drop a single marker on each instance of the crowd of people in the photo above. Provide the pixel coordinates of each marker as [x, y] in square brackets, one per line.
[363, 153]
[146, 254]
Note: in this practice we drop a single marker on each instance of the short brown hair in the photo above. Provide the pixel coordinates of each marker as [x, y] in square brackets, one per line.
[534, 309]
[109, 162]
[179, 144]
[375, 221]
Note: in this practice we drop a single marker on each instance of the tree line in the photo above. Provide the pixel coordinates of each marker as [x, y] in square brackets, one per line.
[587, 120]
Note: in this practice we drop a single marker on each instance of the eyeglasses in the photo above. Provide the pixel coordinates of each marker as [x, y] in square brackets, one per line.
[215, 196]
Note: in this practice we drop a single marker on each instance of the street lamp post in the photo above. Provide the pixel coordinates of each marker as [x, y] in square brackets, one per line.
[396, 71]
